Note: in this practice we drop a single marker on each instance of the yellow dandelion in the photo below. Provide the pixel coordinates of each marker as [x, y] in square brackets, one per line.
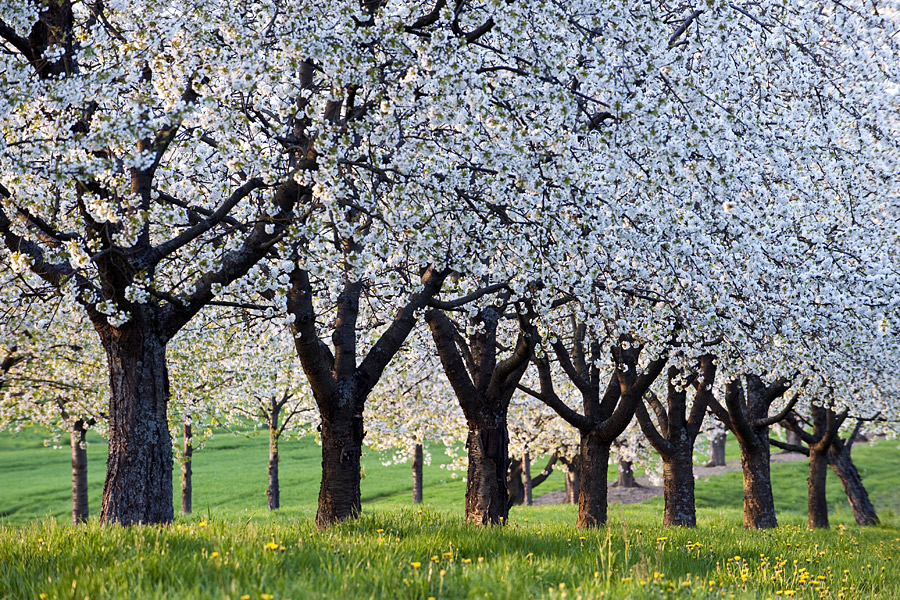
[416, 564]
[201, 524]
[271, 546]
[214, 555]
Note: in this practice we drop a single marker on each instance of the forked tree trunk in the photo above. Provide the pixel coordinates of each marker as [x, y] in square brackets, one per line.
[592, 493]
[526, 475]
[717, 450]
[678, 489]
[625, 471]
[417, 465]
[339, 493]
[187, 485]
[759, 505]
[79, 473]
[138, 486]
[843, 467]
[818, 504]
[487, 494]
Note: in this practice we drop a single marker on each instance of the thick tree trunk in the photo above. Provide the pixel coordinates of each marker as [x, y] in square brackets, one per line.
[843, 467]
[625, 475]
[417, 464]
[487, 494]
[339, 493]
[678, 489]
[818, 504]
[717, 450]
[526, 475]
[274, 491]
[592, 495]
[138, 487]
[79, 473]
[759, 505]
[187, 485]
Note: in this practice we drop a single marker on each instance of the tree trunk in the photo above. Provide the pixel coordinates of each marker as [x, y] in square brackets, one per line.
[592, 495]
[573, 482]
[526, 474]
[792, 438]
[843, 467]
[273, 492]
[625, 475]
[417, 464]
[759, 505]
[515, 483]
[678, 489]
[717, 450]
[79, 473]
[187, 486]
[487, 494]
[138, 487]
[339, 494]
[818, 504]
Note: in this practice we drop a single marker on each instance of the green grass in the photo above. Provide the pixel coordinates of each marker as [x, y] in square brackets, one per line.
[540, 553]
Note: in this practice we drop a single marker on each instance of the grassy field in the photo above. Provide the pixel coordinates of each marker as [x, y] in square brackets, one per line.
[232, 548]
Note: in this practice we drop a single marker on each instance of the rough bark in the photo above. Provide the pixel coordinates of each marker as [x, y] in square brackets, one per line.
[187, 485]
[80, 510]
[526, 475]
[842, 465]
[417, 463]
[717, 450]
[678, 489]
[138, 487]
[487, 497]
[592, 493]
[339, 492]
[759, 504]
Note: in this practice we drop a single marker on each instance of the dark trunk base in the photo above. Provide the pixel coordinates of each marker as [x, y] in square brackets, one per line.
[759, 505]
[138, 487]
[418, 461]
[717, 451]
[678, 490]
[818, 504]
[592, 497]
[339, 493]
[187, 484]
[487, 495]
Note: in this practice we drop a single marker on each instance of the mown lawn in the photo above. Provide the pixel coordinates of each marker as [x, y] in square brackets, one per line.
[231, 548]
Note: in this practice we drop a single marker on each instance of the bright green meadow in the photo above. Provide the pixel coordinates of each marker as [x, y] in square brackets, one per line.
[232, 548]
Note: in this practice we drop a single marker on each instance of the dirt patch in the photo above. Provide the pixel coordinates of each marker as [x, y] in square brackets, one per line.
[646, 491]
